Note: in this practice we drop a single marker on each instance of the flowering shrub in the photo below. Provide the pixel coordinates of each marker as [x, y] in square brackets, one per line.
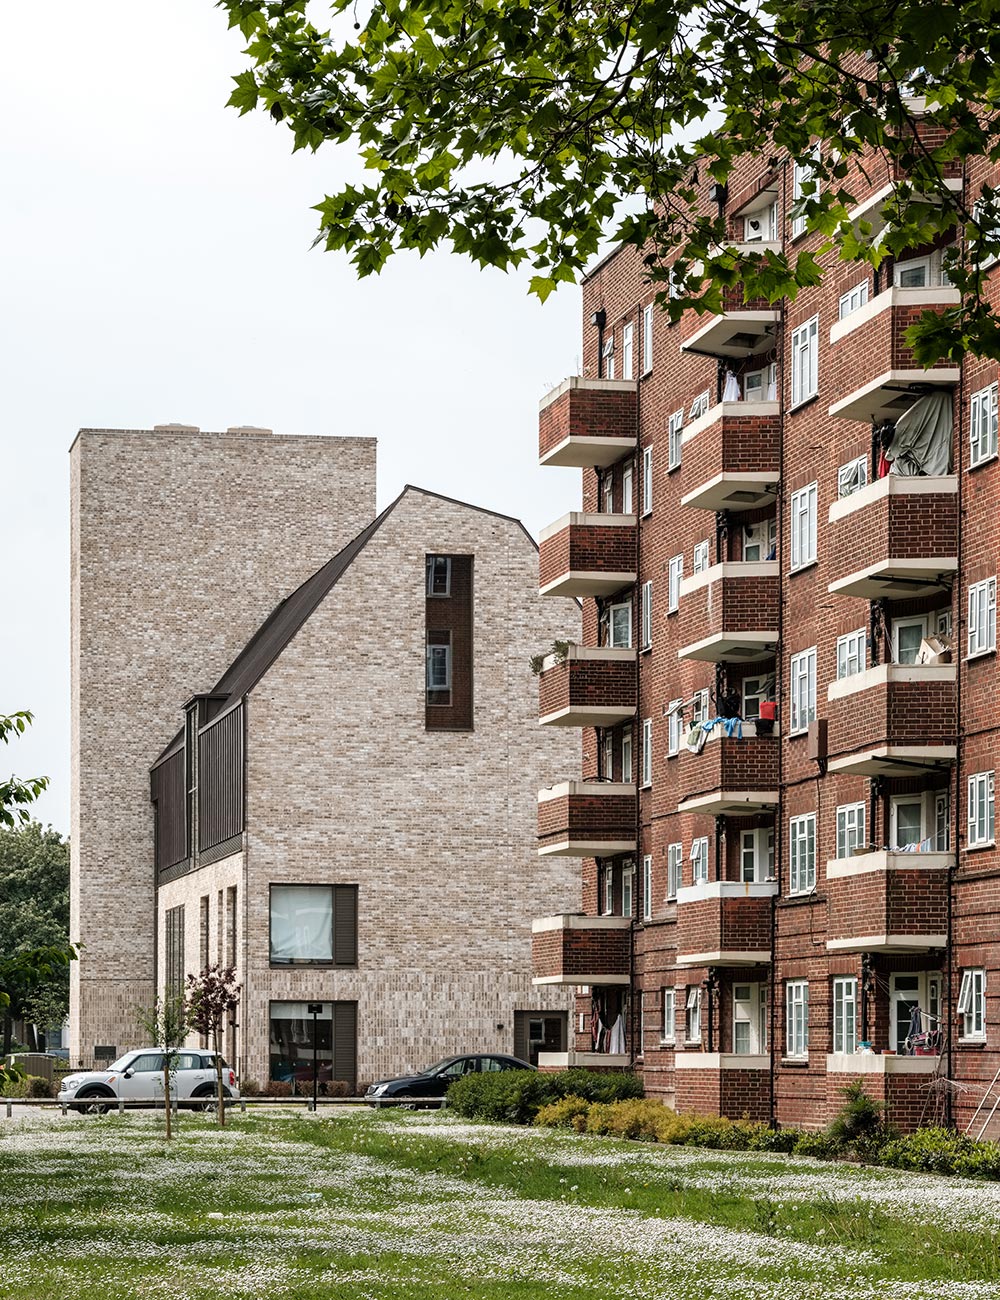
[567, 1112]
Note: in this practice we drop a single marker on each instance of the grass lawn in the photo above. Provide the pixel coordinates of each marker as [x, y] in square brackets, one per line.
[377, 1207]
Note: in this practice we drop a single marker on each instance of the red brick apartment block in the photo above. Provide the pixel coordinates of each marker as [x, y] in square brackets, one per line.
[821, 870]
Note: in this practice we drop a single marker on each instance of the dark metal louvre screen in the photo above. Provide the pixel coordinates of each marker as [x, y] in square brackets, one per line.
[345, 1042]
[169, 809]
[220, 780]
[174, 950]
[345, 925]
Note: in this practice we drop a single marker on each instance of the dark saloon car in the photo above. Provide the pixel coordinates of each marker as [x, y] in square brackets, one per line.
[435, 1081]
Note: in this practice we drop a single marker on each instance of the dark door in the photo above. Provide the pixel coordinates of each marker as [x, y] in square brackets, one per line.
[538, 1031]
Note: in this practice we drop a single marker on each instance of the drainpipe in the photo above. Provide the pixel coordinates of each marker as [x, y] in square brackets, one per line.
[635, 1020]
[600, 319]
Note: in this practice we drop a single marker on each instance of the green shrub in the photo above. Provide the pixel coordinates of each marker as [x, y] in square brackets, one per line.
[592, 1086]
[981, 1162]
[821, 1145]
[765, 1138]
[859, 1118]
[637, 1117]
[28, 1085]
[930, 1150]
[507, 1096]
[567, 1112]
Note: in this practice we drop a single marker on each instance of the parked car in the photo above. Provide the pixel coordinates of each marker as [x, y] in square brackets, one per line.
[437, 1079]
[137, 1077]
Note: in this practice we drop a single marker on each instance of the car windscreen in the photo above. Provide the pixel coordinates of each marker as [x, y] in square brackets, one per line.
[438, 1066]
[122, 1061]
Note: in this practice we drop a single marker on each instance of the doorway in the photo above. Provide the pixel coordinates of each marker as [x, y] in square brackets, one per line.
[538, 1031]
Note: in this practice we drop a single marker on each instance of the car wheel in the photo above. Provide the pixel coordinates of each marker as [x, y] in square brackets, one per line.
[95, 1103]
[207, 1101]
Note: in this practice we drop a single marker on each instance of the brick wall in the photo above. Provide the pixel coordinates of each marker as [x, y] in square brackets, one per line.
[576, 683]
[896, 902]
[593, 548]
[586, 817]
[571, 952]
[588, 413]
[724, 924]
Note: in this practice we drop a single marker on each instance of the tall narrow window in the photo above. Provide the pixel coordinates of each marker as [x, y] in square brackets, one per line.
[850, 829]
[802, 671]
[448, 643]
[701, 557]
[609, 891]
[647, 480]
[627, 350]
[608, 756]
[608, 495]
[803, 188]
[647, 615]
[608, 354]
[647, 751]
[983, 425]
[797, 1018]
[757, 855]
[231, 926]
[802, 872]
[983, 616]
[972, 1003]
[203, 931]
[647, 339]
[851, 657]
[805, 361]
[675, 572]
[627, 758]
[699, 861]
[620, 626]
[803, 512]
[692, 1026]
[845, 1014]
[675, 727]
[667, 1015]
[647, 887]
[674, 440]
[439, 667]
[749, 1019]
[627, 502]
[675, 860]
[981, 810]
[438, 575]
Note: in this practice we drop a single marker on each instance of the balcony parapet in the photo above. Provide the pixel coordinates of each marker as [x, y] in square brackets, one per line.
[724, 923]
[591, 687]
[729, 612]
[720, 1061]
[578, 949]
[587, 555]
[894, 706]
[730, 457]
[587, 423]
[586, 819]
[880, 903]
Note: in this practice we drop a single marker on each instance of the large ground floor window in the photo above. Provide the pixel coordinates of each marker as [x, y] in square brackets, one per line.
[297, 1038]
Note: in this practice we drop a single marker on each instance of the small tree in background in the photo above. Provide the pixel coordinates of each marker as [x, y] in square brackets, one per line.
[167, 1025]
[213, 996]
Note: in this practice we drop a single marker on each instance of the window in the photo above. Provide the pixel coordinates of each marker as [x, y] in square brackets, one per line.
[797, 1018]
[231, 926]
[314, 924]
[438, 575]
[906, 821]
[647, 615]
[292, 1047]
[647, 887]
[608, 354]
[699, 706]
[802, 835]
[608, 495]
[913, 274]
[627, 350]
[853, 299]
[755, 691]
[850, 829]
[985, 211]
[674, 440]
[942, 821]
[627, 504]
[757, 855]
[675, 572]
[609, 891]
[760, 540]
[174, 971]
[983, 425]
[761, 225]
[907, 634]
[805, 361]
[852, 477]
[647, 751]
[675, 858]
[203, 930]
[803, 689]
[438, 667]
[628, 888]
[749, 1019]
[981, 810]
[701, 557]
[627, 758]
[804, 526]
[761, 385]
[700, 405]
[983, 616]
[608, 756]
[620, 625]
[851, 654]
[972, 1002]
[647, 339]
[675, 727]
[647, 480]
[692, 1019]
[845, 1014]
[667, 1015]
[699, 861]
[803, 187]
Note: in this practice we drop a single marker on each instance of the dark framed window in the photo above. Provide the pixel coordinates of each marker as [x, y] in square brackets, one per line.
[174, 950]
[439, 575]
[314, 925]
[293, 1034]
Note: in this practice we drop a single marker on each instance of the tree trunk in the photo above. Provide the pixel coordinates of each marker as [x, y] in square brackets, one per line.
[8, 1030]
[221, 1107]
[166, 1091]
[31, 1036]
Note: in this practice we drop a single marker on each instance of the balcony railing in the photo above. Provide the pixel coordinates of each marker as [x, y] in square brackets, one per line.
[587, 555]
[730, 777]
[587, 423]
[729, 613]
[893, 719]
[724, 923]
[575, 949]
[591, 687]
[896, 539]
[586, 819]
[730, 457]
[888, 902]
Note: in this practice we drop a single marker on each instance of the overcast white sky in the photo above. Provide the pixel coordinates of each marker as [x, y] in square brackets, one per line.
[156, 268]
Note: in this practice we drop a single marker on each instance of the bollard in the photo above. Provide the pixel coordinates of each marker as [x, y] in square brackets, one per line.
[10, 1109]
[64, 1108]
[243, 1105]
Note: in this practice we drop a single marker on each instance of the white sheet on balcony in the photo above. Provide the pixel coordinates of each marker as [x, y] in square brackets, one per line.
[921, 443]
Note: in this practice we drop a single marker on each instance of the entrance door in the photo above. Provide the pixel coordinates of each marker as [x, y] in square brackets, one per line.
[538, 1031]
[913, 989]
[749, 1019]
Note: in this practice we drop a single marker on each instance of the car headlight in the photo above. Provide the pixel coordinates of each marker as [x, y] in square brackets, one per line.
[378, 1089]
[69, 1084]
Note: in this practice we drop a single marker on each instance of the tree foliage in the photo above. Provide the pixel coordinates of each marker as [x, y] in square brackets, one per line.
[212, 998]
[529, 131]
[16, 794]
[166, 1024]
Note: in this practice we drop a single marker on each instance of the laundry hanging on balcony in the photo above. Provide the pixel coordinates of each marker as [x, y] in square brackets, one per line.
[731, 390]
[921, 442]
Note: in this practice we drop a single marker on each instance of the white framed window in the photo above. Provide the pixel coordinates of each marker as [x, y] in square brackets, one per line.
[627, 332]
[628, 889]
[609, 891]
[845, 1014]
[438, 575]
[627, 502]
[757, 855]
[620, 625]
[675, 727]
[647, 751]
[985, 209]
[851, 654]
[647, 887]
[981, 810]
[942, 821]
[699, 706]
[700, 561]
[803, 512]
[755, 691]
[850, 829]
[647, 480]
[802, 865]
[805, 361]
[803, 187]
[749, 1019]
[675, 861]
[668, 1022]
[675, 572]
[647, 338]
[972, 1002]
[675, 427]
[916, 273]
[700, 405]
[608, 353]
[906, 821]
[438, 664]
[797, 1018]
[699, 861]
[853, 299]
[608, 495]
[982, 616]
[852, 477]
[983, 425]
[761, 225]
[647, 615]
[760, 540]
[692, 1019]
[802, 674]
[920, 989]
[761, 385]
[608, 764]
[907, 634]
[627, 758]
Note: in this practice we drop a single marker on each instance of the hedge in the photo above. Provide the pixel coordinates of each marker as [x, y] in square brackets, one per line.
[516, 1096]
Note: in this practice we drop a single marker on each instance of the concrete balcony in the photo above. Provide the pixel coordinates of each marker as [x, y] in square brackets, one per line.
[730, 777]
[587, 555]
[587, 423]
[608, 1061]
[894, 719]
[739, 333]
[729, 613]
[888, 902]
[895, 539]
[591, 687]
[730, 457]
[575, 949]
[724, 923]
[586, 819]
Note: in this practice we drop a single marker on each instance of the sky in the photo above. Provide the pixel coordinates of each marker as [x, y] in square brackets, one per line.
[156, 267]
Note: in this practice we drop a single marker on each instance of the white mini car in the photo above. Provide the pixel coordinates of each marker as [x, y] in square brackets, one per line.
[137, 1078]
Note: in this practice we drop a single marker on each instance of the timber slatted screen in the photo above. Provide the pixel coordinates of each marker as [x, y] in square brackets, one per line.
[169, 810]
[220, 780]
[174, 950]
[345, 1043]
[345, 925]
